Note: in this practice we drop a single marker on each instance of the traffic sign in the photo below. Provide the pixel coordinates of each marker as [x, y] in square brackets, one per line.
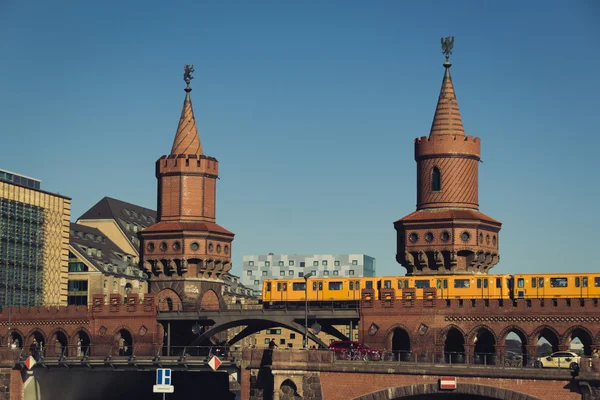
[30, 362]
[163, 381]
[448, 382]
[214, 363]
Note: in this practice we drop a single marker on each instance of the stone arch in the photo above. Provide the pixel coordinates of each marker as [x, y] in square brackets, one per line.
[446, 329]
[126, 347]
[168, 300]
[511, 358]
[421, 389]
[38, 334]
[16, 334]
[288, 390]
[63, 342]
[399, 340]
[209, 301]
[484, 340]
[84, 335]
[516, 329]
[452, 338]
[553, 337]
[584, 334]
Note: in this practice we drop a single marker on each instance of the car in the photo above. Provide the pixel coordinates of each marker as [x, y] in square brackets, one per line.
[349, 350]
[560, 359]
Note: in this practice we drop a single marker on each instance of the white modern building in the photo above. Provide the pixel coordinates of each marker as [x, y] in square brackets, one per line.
[256, 268]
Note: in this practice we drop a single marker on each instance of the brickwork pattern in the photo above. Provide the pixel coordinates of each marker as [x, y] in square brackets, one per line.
[459, 183]
[447, 120]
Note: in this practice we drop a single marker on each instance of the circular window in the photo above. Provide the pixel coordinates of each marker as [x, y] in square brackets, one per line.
[494, 240]
[176, 246]
[218, 248]
[226, 249]
[445, 236]
[163, 246]
[465, 236]
[194, 246]
[487, 239]
[150, 247]
[413, 237]
[429, 237]
[211, 248]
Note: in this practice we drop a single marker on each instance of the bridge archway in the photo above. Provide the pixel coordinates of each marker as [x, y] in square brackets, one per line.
[168, 300]
[59, 343]
[210, 301]
[15, 334]
[585, 337]
[432, 391]
[515, 344]
[124, 341]
[81, 342]
[38, 335]
[484, 340]
[399, 341]
[454, 344]
[547, 339]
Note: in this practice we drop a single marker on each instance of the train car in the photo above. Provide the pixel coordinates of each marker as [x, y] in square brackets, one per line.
[556, 285]
[321, 292]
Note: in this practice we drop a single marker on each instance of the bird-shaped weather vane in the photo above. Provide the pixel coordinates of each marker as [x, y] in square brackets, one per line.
[447, 46]
[187, 74]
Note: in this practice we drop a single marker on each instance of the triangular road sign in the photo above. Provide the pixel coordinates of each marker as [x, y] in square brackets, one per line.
[30, 362]
[214, 363]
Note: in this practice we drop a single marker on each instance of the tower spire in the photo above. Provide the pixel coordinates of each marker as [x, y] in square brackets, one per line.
[187, 140]
[447, 120]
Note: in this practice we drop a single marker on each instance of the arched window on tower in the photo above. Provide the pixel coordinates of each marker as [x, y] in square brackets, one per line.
[436, 180]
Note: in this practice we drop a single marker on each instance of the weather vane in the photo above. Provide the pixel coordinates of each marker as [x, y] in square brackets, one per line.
[447, 46]
[187, 75]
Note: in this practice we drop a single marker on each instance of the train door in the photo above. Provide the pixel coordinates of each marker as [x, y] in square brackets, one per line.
[483, 288]
[317, 286]
[538, 287]
[282, 291]
[268, 294]
[354, 289]
[442, 288]
[581, 286]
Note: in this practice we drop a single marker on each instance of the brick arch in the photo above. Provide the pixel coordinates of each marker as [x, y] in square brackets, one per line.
[587, 347]
[513, 328]
[123, 328]
[56, 331]
[209, 301]
[444, 333]
[471, 336]
[536, 332]
[18, 332]
[34, 331]
[420, 389]
[389, 334]
[168, 294]
[73, 338]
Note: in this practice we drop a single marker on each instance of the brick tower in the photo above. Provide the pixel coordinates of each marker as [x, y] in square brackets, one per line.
[447, 234]
[186, 252]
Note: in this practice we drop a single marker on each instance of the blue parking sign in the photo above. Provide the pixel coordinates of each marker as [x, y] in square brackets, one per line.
[163, 376]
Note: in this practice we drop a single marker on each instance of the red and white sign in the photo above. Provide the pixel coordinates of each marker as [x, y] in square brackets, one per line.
[448, 382]
[30, 362]
[214, 363]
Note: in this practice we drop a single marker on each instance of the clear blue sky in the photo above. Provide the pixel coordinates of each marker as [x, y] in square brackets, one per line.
[311, 108]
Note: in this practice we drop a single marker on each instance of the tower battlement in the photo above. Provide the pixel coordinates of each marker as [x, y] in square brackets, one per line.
[439, 145]
[187, 163]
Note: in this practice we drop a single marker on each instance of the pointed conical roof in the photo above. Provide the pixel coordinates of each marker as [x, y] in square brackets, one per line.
[447, 120]
[187, 140]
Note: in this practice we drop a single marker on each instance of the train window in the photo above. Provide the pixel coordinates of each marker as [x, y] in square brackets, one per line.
[596, 282]
[320, 285]
[533, 282]
[461, 283]
[485, 283]
[298, 286]
[357, 285]
[498, 283]
[559, 282]
[335, 286]
[541, 282]
[438, 284]
[478, 283]
[314, 285]
[399, 284]
[422, 283]
[285, 287]
[268, 286]
[584, 281]
[387, 284]
[351, 285]
[279, 286]
[521, 282]
[577, 281]
[369, 285]
[445, 283]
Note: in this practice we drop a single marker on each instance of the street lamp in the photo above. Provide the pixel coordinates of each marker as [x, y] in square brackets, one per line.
[306, 308]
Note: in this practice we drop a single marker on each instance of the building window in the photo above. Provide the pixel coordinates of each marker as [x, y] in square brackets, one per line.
[436, 180]
[325, 273]
[354, 262]
[267, 341]
[249, 272]
[264, 273]
[301, 275]
[281, 341]
[302, 264]
[336, 263]
[292, 336]
[267, 263]
[336, 273]
[324, 263]
[105, 282]
[281, 273]
[281, 263]
[351, 272]
[251, 263]
[257, 282]
[77, 267]
[315, 263]
[291, 273]
[314, 272]
[291, 263]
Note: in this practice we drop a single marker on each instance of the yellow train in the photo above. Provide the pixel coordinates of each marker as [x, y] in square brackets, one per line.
[345, 292]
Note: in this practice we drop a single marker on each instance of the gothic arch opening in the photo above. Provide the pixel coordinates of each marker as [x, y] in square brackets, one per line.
[454, 347]
[401, 344]
[547, 342]
[82, 343]
[515, 344]
[36, 344]
[210, 301]
[436, 180]
[16, 338]
[485, 347]
[288, 390]
[125, 342]
[580, 341]
[60, 344]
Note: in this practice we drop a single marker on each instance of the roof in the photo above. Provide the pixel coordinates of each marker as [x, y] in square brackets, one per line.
[102, 253]
[130, 217]
[168, 226]
[187, 140]
[446, 214]
[447, 120]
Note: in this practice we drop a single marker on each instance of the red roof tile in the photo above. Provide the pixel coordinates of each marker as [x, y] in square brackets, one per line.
[187, 226]
[446, 214]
